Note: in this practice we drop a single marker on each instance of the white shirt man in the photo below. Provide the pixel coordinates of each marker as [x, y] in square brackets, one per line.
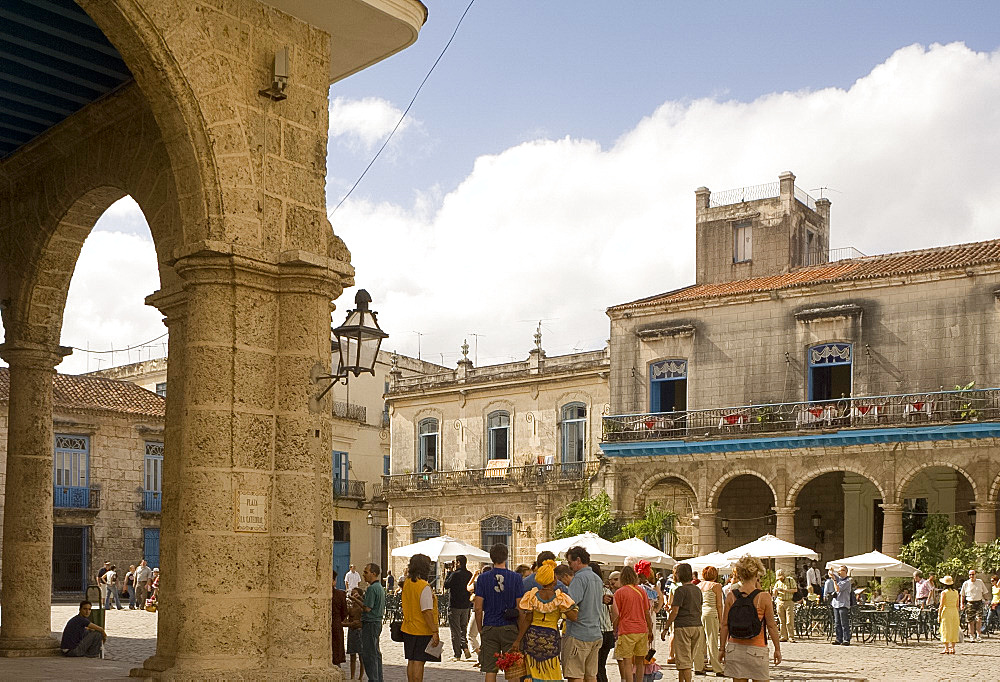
[814, 578]
[352, 579]
[143, 575]
[971, 598]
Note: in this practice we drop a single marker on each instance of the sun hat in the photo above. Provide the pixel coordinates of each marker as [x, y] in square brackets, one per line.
[947, 580]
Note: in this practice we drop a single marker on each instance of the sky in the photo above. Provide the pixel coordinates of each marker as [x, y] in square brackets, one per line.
[547, 169]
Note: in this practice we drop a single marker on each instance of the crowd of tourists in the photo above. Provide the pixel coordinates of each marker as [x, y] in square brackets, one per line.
[138, 587]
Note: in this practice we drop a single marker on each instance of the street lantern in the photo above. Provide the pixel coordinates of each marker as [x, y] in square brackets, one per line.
[725, 527]
[357, 342]
[371, 518]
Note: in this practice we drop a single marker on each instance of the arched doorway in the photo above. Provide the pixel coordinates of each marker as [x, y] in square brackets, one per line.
[937, 490]
[674, 494]
[839, 514]
[745, 511]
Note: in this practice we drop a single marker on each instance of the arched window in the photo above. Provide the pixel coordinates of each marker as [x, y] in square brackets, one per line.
[573, 424]
[425, 529]
[498, 441]
[494, 530]
[428, 438]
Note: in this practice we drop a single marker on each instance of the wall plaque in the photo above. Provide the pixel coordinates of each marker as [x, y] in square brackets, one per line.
[251, 512]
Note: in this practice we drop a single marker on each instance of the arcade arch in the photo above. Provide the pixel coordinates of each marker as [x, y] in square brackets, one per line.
[937, 488]
[847, 510]
[675, 494]
[746, 504]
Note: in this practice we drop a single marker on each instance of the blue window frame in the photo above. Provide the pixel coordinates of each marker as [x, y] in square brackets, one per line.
[668, 385]
[498, 442]
[830, 375]
[429, 437]
[573, 424]
[151, 546]
[341, 472]
[153, 477]
[494, 530]
[71, 471]
[386, 464]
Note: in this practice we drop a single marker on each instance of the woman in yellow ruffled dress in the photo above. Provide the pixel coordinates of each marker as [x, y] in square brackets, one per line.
[538, 632]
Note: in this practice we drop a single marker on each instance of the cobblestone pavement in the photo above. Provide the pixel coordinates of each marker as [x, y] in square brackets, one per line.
[131, 639]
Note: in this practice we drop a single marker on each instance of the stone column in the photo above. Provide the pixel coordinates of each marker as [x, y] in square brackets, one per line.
[986, 522]
[244, 429]
[892, 529]
[785, 530]
[27, 528]
[707, 540]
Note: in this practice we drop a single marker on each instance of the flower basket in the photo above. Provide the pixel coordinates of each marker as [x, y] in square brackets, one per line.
[513, 666]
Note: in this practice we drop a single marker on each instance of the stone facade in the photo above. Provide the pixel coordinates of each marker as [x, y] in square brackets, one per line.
[232, 183]
[543, 414]
[745, 347]
[116, 442]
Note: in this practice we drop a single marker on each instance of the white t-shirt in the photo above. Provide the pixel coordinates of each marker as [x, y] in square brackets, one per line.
[352, 580]
[109, 578]
[974, 590]
[426, 599]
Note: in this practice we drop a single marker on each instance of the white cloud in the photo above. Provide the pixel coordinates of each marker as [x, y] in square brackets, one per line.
[561, 229]
[104, 308]
[362, 124]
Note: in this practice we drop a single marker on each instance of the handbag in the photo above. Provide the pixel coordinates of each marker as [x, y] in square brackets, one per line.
[396, 631]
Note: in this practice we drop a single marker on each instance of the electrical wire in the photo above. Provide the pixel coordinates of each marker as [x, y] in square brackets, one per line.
[405, 112]
[120, 350]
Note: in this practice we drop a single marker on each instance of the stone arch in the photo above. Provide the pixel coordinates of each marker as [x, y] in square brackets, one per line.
[910, 473]
[800, 483]
[716, 489]
[650, 483]
[995, 490]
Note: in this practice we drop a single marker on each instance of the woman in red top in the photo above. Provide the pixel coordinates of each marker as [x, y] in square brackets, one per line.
[630, 617]
[746, 659]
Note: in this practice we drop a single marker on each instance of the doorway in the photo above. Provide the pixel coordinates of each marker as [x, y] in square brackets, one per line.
[830, 376]
[69, 559]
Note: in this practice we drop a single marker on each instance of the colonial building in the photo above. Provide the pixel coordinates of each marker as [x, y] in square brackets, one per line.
[831, 401]
[107, 455]
[360, 452]
[493, 454]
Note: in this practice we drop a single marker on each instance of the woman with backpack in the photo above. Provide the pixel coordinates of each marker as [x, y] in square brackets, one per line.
[747, 622]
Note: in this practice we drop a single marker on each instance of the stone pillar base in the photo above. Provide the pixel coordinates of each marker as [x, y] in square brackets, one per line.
[31, 646]
[193, 671]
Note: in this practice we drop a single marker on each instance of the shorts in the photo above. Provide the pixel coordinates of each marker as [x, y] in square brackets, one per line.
[414, 648]
[354, 640]
[689, 647]
[579, 658]
[973, 609]
[494, 639]
[631, 645]
[747, 662]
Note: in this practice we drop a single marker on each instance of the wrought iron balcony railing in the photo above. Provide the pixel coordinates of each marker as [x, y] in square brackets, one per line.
[533, 475]
[76, 497]
[352, 411]
[348, 490]
[936, 407]
[152, 500]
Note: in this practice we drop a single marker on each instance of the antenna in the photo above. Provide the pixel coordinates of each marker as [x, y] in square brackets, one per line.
[476, 349]
[825, 189]
[419, 335]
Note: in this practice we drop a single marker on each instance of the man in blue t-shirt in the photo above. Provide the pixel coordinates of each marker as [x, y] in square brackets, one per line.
[80, 636]
[497, 593]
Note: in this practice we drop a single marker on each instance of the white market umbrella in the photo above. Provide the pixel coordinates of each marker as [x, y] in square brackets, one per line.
[717, 559]
[442, 548]
[599, 549]
[770, 547]
[874, 564]
[641, 549]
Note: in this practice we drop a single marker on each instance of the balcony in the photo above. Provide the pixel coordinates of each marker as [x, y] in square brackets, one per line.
[862, 413]
[531, 476]
[348, 490]
[76, 497]
[152, 501]
[351, 411]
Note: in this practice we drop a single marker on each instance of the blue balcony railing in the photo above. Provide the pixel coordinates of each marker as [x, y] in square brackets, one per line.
[75, 497]
[151, 500]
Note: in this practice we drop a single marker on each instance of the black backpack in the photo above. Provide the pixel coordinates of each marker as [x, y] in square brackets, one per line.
[743, 621]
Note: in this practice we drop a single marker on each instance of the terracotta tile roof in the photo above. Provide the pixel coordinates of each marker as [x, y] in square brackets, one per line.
[73, 393]
[869, 267]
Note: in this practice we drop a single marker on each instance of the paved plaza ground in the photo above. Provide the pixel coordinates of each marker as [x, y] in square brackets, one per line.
[132, 638]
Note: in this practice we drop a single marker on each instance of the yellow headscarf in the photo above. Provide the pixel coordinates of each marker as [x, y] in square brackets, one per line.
[546, 573]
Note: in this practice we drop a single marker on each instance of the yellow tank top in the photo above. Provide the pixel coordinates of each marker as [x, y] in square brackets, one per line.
[413, 617]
